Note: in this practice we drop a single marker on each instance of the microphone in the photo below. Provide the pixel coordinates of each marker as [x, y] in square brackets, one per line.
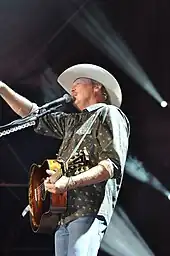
[65, 99]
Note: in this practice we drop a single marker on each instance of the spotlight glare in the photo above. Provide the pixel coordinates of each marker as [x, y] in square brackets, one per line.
[164, 104]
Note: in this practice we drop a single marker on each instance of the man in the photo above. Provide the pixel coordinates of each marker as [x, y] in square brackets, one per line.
[103, 129]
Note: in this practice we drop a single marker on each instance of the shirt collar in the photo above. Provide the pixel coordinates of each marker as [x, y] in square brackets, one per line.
[95, 106]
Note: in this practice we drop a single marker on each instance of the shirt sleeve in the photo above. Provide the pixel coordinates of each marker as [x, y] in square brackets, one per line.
[52, 125]
[113, 137]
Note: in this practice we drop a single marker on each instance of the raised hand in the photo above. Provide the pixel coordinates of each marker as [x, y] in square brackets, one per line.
[2, 86]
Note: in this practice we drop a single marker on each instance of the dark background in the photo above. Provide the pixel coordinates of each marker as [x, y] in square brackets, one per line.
[36, 43]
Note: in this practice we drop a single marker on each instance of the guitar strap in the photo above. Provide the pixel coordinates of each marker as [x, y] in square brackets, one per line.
[87, 127]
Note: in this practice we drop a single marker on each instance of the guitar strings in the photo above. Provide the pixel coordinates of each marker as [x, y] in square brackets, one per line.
[40, 189]
[40, 186]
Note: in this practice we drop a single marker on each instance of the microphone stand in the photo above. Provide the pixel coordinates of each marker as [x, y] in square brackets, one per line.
[25, 122]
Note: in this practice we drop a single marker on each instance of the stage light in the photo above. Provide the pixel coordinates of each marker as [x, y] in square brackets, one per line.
[136, 169]
[98, 30]
[123, 238]
[164, 104]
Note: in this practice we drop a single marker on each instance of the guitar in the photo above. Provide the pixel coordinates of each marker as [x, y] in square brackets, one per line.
[45, 207]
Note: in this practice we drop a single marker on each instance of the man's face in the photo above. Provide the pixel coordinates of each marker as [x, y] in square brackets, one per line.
[82, 91]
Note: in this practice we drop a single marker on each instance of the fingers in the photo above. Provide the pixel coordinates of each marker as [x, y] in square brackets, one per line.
[47, 179]
[2, 85]
[49, 187]
[50, 172]
[53, 177]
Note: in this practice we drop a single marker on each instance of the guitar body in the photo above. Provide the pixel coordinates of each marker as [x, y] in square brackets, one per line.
[45, 207]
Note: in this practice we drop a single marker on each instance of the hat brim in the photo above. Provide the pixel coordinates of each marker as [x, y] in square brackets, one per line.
[68, 77]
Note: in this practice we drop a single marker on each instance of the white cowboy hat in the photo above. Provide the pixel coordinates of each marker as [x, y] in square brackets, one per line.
[68, 77]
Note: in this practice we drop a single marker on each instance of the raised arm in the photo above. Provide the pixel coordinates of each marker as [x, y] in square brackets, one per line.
[19, 104]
